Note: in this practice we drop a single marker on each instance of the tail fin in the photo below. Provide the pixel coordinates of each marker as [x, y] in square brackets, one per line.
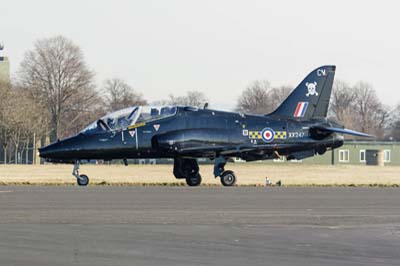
[310, 99]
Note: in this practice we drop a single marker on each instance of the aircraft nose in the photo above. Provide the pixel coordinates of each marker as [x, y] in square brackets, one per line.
[60, 151]
[50, 151]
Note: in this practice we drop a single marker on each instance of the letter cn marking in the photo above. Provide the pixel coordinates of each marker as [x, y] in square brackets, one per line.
[321, 72]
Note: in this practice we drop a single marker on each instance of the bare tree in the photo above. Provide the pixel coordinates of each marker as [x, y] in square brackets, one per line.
[16, 118]
[192, 98]
[342, 105]
[372, 114]
[260, 98]
[78, 116]
[278, 95]
[119, 94]
[20, 118]
[358, 107]
[57, 76]
[394, 124]
[5, 89]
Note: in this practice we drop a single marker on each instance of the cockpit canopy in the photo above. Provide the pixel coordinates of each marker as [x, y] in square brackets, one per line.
[129, 116]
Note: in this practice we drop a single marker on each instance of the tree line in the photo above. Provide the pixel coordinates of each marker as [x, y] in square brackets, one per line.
[54, 95]
[355, 106]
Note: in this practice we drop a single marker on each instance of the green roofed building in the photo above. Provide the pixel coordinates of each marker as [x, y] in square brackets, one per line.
[354, 153]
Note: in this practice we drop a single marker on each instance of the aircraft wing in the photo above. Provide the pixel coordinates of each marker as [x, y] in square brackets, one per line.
[345, 131]
[257, 151]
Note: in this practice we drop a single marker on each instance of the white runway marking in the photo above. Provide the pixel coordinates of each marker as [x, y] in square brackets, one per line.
[5, 191]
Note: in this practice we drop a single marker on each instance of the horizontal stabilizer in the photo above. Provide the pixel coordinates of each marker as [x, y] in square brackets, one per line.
[345, 131]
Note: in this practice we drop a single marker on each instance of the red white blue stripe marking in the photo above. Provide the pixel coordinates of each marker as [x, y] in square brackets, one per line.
[301, 109]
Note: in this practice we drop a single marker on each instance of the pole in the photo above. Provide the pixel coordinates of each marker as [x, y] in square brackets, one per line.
[27, 151]
[34, 149]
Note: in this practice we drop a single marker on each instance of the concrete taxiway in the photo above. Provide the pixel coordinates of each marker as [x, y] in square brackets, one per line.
[199, 226]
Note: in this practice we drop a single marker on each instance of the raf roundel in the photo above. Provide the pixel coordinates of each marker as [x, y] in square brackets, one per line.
[267, 134]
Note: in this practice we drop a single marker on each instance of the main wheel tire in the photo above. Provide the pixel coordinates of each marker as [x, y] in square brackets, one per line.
[228, 178]
[83, 180]
[194, 180]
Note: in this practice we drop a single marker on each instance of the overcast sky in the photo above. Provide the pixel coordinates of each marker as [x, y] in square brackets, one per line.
[218, 47]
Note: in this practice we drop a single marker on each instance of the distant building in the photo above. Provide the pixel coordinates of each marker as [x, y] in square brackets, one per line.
[354, 152]
[4, 69]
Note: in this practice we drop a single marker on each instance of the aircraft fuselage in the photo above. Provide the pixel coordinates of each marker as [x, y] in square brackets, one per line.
[195, 133]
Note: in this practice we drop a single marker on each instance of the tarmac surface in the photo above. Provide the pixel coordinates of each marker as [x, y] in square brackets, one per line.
[71, 225]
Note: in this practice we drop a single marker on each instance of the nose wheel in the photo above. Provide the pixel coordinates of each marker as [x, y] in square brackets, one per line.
[82, 180]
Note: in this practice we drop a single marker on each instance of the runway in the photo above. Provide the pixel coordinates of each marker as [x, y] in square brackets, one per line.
[69, 225]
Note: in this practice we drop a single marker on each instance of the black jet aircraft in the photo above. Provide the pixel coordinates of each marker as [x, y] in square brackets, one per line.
[297, 129]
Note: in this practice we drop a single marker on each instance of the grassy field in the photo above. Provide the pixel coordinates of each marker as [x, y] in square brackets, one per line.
[248, 174]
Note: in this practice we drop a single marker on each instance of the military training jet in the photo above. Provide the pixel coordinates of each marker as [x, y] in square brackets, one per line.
[297, 129]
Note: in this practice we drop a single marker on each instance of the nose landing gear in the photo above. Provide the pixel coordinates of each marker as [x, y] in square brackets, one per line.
[82, 180]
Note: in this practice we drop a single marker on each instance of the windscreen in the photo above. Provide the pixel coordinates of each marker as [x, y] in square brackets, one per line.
[116, 120]
[129, 116]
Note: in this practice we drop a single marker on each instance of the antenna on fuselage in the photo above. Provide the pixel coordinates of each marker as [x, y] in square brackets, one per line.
[205, 106]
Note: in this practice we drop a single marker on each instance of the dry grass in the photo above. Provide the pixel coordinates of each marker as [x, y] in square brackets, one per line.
[248, 174]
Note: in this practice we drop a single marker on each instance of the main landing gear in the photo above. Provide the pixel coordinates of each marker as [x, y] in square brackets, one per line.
[188, 169]
[82, 180]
